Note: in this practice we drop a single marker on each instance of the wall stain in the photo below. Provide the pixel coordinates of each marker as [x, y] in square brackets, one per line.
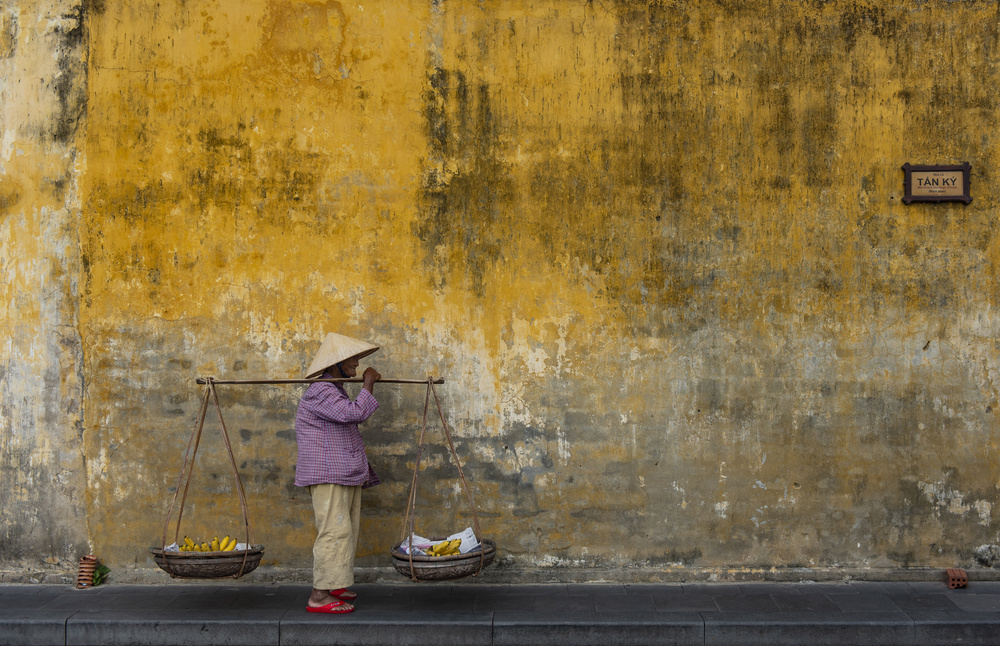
[8, 33]
[464, 208]
[70, 83]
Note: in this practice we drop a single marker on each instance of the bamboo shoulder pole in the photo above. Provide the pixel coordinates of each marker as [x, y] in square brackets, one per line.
[352, 380]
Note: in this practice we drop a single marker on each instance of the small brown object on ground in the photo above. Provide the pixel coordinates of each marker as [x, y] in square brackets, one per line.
[85, 576]
[957, 578]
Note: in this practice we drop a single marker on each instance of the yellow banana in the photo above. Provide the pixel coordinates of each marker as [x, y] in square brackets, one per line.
[446, 548]
[204, 547]
[224, 543]
[231, 546]
[215, 544]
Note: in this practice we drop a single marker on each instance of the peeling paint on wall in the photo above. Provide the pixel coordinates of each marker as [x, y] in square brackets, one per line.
[42, 84]
[953, 502]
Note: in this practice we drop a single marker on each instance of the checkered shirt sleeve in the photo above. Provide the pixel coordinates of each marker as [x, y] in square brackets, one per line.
[330, 448]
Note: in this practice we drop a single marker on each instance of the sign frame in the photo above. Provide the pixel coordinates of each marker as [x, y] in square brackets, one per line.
[914, 173]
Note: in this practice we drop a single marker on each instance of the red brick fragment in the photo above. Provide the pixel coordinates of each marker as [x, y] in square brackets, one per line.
[957, 578]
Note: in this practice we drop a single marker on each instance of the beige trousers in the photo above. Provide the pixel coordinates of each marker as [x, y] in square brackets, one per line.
[338, 518]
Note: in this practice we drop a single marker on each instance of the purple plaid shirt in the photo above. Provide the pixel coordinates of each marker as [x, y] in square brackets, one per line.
[330, 446]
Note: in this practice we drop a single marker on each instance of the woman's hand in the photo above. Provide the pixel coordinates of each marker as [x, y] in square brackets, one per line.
[370, 376]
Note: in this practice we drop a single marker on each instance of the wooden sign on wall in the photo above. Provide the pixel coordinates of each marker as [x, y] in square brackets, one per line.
[936, 183]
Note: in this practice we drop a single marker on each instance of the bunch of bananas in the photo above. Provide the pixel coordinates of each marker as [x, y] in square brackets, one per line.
[225, 545]
[445, 548]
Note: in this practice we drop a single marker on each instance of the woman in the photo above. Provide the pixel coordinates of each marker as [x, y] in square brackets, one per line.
[333, 465]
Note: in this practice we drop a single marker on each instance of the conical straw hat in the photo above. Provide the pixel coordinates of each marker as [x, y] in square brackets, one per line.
[337, 348]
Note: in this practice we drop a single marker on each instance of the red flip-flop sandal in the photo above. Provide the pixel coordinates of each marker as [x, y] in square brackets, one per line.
[344, 594]
[333, 608]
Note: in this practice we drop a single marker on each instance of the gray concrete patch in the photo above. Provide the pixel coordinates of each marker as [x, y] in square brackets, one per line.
[586, 629]
[382, 628]
[25, 626]
[945, 628]
[167, 627]
[814, 629]
[978, 602]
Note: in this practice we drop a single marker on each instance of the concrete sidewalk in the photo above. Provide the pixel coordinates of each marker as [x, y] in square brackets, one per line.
[470, 614]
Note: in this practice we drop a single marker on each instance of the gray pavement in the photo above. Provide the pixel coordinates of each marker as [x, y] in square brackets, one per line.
[467, 613]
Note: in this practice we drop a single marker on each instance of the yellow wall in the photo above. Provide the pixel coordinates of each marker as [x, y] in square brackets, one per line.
[656, 249]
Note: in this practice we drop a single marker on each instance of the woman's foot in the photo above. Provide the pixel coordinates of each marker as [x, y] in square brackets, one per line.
[323, 601]
[344, 594]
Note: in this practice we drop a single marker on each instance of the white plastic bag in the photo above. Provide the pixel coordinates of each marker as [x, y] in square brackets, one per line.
[469, 540]
[420, 545]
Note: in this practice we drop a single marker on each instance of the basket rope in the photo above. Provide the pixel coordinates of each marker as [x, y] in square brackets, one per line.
[409, 518]
[188, 468]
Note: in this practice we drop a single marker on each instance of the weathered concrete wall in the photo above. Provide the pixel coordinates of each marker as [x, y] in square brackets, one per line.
[657, 249]
[42, 107]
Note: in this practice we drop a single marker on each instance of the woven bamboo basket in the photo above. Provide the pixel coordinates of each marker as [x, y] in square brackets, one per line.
[208, 565]
[441, 568]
